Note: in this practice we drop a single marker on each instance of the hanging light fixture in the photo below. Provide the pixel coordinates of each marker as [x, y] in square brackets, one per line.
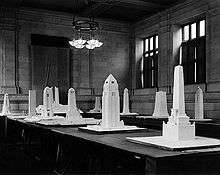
[85, 34]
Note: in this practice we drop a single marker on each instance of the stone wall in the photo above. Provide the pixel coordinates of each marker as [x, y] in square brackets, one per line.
[89, 68]
[167, 24]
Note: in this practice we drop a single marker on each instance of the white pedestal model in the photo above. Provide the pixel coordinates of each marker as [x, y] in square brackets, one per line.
[160, 109]
[59, 108]
[178, 132]
[31, 103]
[97, 108]
[126, 110]
[110, 110]
[73, 116]
[5, 106]
[199, 111]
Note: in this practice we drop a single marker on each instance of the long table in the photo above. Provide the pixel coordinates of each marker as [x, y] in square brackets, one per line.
[113, 154]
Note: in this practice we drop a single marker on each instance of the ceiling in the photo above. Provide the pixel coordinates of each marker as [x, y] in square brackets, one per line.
[123, 10]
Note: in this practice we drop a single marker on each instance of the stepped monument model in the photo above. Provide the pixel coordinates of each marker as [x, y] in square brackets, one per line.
[160, 109]
[178, 132]
[110, 109]
[199, 109]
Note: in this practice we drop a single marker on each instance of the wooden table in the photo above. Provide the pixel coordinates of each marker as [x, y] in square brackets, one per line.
[113, 154]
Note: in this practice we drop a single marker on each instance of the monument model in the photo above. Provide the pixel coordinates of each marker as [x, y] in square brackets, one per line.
[60, 108]
[73, 116]
[126, 110]
[31, 103]
[178, 132]
[178, 126]
[5, 106]
[97, 108]
[199, 111]
[160, 109]
[110, 109]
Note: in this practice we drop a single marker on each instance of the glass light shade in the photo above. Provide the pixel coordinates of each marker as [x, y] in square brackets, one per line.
[79, 46]
[99, 44]
[90, 46]
[71, 43]
[80, 41]
[92, 42]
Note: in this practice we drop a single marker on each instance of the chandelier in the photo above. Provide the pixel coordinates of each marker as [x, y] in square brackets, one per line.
[86, 34]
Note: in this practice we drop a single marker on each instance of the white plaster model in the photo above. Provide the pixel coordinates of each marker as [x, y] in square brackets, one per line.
[111, 104]
[160, 109]
[57, 98]
[178, 133]
[32, 103]
[47, 103]
[199, 104]
[110, 110]
[6, 106]
[60, 108]
[178, 126]
[97, 108]
[73, 114]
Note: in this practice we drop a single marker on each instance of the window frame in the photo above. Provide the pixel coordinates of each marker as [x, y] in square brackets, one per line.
[153, 69]
[189, 44]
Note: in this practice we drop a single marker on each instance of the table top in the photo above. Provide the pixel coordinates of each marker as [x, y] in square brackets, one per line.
[119, 141]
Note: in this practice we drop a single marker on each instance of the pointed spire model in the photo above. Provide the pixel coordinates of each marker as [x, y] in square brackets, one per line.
[73, 114]
[199, 104]
[32, 103]
[111, 104]
[178, 126]
[6, 106]
[57, 99]
[160, 109]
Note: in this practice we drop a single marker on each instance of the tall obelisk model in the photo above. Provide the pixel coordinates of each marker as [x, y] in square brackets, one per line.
[47, 102]
[32, 103]
[111, 104]
[126, 102]
[57, 99]
[178, 126]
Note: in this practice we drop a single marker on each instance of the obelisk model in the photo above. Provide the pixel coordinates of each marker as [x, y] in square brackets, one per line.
[6, 105]
[178, 126]
[47, 102]
[56, 91]
[97, 108]
[32, 103]
[73, 114]
[126, 102]
[199, 104]
[111, 104]
[160, 109]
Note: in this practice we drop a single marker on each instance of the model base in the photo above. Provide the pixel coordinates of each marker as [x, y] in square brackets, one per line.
[17, 116]
[100, 129]
[161, 142]
[200, 120]
[130, 113]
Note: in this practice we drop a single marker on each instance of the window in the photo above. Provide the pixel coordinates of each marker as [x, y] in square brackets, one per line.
[193, 52]
[149, 66]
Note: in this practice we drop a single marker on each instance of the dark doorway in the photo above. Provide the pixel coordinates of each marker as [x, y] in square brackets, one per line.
[50, 65]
